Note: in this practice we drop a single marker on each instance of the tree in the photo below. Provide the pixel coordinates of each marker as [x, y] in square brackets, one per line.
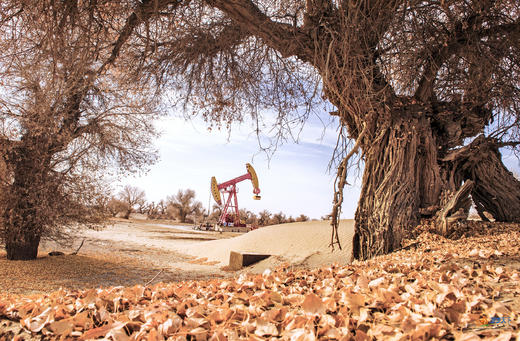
[161, 208]
[216, 212]
[326, 217]
[153, 210]
[264, 217]
[156, 210]
[183, 206]
[278, 218]
[248, 217]
[115, 206]
[133, 198]
[414, 83]
[143, 207]
[68, 113]
[302, 218]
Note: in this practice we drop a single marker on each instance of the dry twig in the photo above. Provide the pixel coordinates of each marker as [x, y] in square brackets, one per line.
[154, 277]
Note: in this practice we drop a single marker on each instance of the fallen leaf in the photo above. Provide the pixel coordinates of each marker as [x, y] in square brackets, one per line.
[62, 327]
[265, 328]
[100, 331]
[313, 304]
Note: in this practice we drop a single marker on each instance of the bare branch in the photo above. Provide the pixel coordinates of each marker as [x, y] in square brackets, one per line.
[472, 148]
[339, 185]
[204, 44]
[460, 38]
[154, 277]
[284, 38]
[459, 201]
[145, 10]
[79, 247]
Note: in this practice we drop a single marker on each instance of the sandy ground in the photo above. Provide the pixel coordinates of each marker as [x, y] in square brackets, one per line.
[136, 252]
[155, 245]
[181, 247]
[301, 244]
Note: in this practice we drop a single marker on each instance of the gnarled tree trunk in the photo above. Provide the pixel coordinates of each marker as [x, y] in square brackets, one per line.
[496, 189]
[401, 179]
[25, 205]
[22, 243]
[406, 177]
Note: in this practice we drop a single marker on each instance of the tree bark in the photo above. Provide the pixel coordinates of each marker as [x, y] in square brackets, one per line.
[22, 231]
[404, 178]
[456, 208]
[25, 207]
[22, 245]
[401, 177]
[496, 189]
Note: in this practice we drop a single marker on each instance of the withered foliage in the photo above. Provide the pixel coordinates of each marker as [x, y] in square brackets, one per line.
[183, 206]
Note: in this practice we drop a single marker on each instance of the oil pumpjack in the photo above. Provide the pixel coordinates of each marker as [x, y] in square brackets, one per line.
[230, 214]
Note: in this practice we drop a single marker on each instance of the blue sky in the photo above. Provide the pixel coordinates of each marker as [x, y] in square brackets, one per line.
[293, 180]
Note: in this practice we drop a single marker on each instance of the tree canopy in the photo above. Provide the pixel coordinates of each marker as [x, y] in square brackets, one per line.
[426, 91]
[183, 206]
[414, 83]
[67, 113]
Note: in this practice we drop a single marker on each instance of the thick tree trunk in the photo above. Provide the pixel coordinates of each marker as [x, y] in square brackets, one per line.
[22, 245]
[401, 179]
[497, 190]
[404, 180]
[22, 227]
[25, 205]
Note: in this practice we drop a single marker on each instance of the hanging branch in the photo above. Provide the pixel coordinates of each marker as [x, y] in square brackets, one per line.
[339, 184]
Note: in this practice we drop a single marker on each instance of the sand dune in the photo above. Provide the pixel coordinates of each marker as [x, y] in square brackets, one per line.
[305, 244]
[297, 243]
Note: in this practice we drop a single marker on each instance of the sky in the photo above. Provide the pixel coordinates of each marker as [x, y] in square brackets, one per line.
[294, 180]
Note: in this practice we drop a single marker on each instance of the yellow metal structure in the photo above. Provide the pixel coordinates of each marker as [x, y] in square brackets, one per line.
[254, 177]
[215, 191]
[254, 180]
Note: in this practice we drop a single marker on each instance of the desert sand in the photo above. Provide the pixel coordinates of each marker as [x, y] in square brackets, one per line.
[182, 248]
[302, 244]
[138, 252]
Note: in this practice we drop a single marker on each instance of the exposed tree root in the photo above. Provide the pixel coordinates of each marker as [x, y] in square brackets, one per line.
[456, 208]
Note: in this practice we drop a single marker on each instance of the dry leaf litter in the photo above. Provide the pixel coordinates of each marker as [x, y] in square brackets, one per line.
[437, 288]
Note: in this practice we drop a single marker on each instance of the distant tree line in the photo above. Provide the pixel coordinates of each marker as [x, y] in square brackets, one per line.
[183, 207]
